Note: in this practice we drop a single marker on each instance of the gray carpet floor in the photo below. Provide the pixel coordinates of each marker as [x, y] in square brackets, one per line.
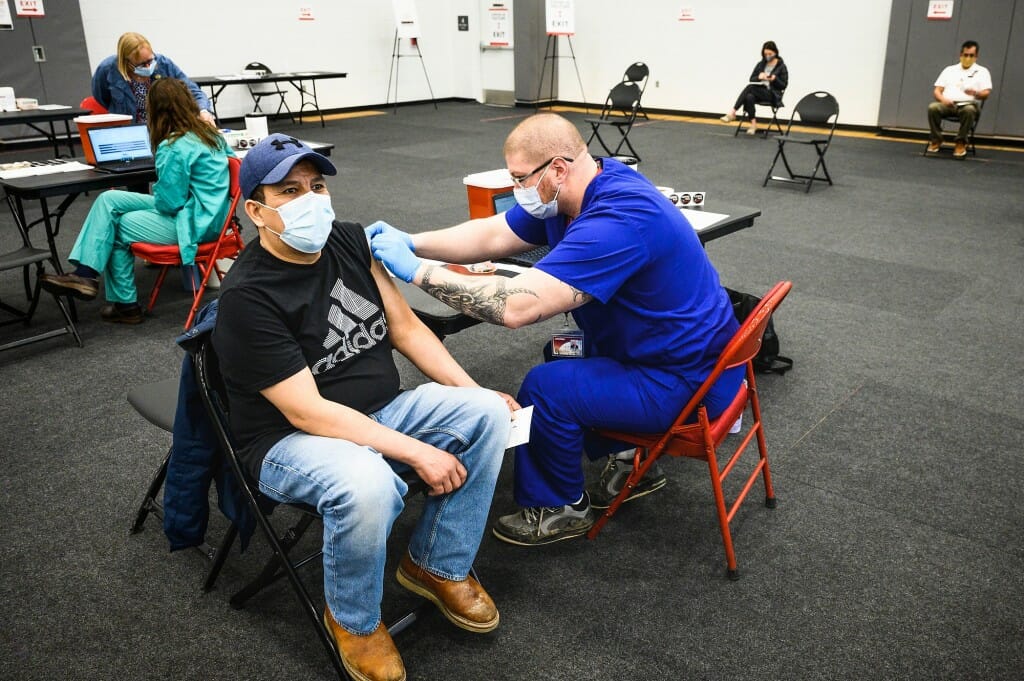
[895, 550]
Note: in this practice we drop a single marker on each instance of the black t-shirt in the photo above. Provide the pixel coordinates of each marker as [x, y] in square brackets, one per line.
[276, 318]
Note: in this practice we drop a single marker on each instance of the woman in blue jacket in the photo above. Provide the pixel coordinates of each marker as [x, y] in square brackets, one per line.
[188, 206]
[122, 81]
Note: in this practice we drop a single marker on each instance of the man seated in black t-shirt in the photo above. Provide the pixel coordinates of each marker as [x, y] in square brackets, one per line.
[305, 332]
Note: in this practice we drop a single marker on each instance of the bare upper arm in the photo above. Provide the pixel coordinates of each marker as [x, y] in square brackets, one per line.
[294, 396]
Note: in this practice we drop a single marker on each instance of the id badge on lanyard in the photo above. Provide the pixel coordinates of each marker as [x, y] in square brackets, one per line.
[567, 342]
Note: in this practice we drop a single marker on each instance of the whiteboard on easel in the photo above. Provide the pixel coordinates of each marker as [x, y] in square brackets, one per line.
[406, 20]
[497, 25]
[560, 17]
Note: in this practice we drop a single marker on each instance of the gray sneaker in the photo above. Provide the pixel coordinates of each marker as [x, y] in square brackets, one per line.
[539, 525]
[613, 477]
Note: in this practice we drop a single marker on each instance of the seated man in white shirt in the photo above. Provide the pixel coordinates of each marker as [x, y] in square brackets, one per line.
[959, 91]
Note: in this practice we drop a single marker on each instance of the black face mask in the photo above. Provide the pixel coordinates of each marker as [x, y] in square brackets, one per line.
[769, 57]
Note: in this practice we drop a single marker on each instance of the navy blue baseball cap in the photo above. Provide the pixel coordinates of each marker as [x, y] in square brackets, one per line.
[273, 158]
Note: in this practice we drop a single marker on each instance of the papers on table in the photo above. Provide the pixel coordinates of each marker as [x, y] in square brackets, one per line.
[41, 168]
[702, 219]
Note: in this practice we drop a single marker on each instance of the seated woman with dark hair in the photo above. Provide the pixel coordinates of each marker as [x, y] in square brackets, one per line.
[188, 206]
[767, 83]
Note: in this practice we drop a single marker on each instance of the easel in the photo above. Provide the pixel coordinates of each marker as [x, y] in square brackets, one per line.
[551, 53]
[396, 55]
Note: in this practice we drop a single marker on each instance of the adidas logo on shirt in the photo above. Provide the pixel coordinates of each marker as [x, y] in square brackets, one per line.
[355, 325]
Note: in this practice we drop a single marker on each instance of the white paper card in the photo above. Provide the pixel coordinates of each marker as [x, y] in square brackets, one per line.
[520, 433]
[701, 220]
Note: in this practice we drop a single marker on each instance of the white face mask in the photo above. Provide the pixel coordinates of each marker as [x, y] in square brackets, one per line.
[529, 199]
[308, 221]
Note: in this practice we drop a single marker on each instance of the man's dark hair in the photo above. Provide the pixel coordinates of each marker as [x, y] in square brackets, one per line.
[970, 43]
[257, 194]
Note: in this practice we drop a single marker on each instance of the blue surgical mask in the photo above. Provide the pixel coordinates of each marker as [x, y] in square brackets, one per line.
[529, 199]
[146, 71]
[308, 221]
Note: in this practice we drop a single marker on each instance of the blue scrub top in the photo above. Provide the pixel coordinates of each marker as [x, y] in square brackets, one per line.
[657, 298]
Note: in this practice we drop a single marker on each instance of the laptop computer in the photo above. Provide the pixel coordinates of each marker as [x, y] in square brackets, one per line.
[502, 202]
[121, 149]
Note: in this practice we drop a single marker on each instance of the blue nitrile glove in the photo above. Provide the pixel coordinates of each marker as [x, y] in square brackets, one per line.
[391, 249]
[381, 227]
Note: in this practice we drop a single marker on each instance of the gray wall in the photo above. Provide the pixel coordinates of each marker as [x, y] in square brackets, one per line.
[64, 78]
[919, 49]
[531, 40]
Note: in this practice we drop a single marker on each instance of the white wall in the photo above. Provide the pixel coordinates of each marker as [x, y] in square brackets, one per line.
[698, 66]
[356, 36]
[703, 65]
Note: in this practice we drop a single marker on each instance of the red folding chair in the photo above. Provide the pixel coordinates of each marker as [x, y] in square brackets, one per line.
[227, 245]
[92, 105]
[696, 436]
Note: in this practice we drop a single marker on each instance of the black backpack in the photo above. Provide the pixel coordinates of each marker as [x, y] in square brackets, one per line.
[768, 359]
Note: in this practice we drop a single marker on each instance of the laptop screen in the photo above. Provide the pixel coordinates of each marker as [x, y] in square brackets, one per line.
[120, 143]
[503, 201]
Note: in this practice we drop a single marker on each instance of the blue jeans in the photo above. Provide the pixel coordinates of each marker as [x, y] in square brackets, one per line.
[359, 493]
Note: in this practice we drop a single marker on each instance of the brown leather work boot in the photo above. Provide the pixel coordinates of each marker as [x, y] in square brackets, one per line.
[367, 658]
[83, 288]
[464, 603]
[960, 150]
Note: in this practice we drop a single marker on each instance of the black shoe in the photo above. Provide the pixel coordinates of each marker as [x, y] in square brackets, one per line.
[111, 313]
[614, 476]
[83, 288]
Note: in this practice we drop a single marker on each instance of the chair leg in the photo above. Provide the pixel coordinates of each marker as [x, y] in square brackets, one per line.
[220, 555]
[723, 517]
[775, 160]
[625, 140]
[156, 287]
[762, 446]
[631, 482]
[600, 140]
[278, 565]
[280, 559]
[149, 502]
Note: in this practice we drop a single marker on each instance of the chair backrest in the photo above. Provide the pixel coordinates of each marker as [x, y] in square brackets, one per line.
[623, 100]
[257, 66]
[234, 196]
[262, 88]
[92, 105]
[637, 72]
[742, 348]
[213, 393]
[817, 108]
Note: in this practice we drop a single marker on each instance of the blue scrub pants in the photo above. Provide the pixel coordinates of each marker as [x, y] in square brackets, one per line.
[571, 396]
[117, 220]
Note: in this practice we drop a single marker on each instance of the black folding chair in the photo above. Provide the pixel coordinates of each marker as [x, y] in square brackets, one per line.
[157, 403]
[953, 118]
[24, 258]
[638, 73]
[260, 90]
[619, 112]
[281, 563]
[773, 123]
[816, 109]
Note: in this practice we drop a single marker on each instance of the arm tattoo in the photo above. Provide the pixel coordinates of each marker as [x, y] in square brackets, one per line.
[582, 296]
[474, 299]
